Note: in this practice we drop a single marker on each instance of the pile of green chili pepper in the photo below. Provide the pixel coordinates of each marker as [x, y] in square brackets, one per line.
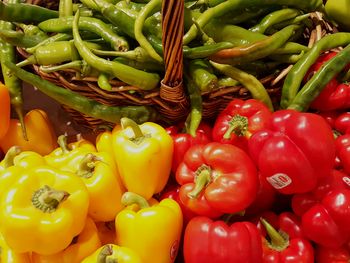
[226, 43]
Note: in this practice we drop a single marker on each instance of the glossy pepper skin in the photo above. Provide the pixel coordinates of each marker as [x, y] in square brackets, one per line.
[183, 141]
[4, 110]
[208, 241]
[239, 120]
[100, 175]
[104, 140]
[287, 244]
[113, 253]
[68, 156]
[51, 202]
[326, 223]
[82, 246]
[153, 232]
[290, 154]
[342, 144]
[332, 255]
[143, 154]
[40, 133]
[9, 256]
[216, 179]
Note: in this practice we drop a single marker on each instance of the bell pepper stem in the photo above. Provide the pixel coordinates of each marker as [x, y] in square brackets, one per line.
[106, 251]
[10, 155]
[202, 179]
[62, 142]
[129, 198]
[278, 242]
[87, 165]
[47, 199]
[238, 125]
[126, 122]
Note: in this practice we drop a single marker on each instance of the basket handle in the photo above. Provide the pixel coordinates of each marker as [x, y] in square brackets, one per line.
[172, 33]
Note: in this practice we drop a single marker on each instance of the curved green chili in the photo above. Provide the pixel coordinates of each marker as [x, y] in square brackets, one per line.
[287, 58]
[19, 39]
[82, 104]
[296, 74]
[129, 75]
[274, 18]
[25, 13]
[141, 39]
[138, 54]
[206, 50]
[320, 79]
[202, 75]
[252, 84]
[103, 81]
[78, 65]
[257, 50]
[150, 66]
[47, 41]
[63, 25]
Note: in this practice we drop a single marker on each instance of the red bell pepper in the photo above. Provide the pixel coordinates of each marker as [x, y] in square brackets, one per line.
[216, 179]
[332, 255]
[239, 120]
[342, 144]
[296, 150]
[303, 202]
[183, 141]
[208, 241]
[264, 199]
[327, 223]
[287, 244]
[335, 95]
[342, 123]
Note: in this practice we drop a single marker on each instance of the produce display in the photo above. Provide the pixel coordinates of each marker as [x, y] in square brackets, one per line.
[252, 164]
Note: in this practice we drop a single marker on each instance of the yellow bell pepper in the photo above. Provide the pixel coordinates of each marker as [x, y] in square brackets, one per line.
[40, 133]
[9, 157]
[43, 210]
[67, 156]
[100, 175]
[113, 253]
[152, 232]
[106, 232]
[7, 255]
[82, 246]
[143, 154]
[28, 159]
[104, 140]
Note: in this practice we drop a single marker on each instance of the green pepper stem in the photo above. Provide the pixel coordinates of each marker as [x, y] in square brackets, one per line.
[47, 199]
[237, 125]
[126, 122]
[278, 242]
[10, 155]
[202, 179]
[62, 142]
[129, 198]
[106, 251]
[29, 61]
[87, 165]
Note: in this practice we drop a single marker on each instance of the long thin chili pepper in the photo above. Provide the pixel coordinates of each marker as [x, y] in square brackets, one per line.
[320, 79]
[149, 66]
[64, 25]
[65, 8]
[230, 5]
[19, 39]
[206, 50]
[202, 75]
[129, 75]
[252, 84]
[257, 50]
[141, 39]
[296, 74]
[26, 13]
[82, 104]
[137, 54]
[78, 65]
[54, 38]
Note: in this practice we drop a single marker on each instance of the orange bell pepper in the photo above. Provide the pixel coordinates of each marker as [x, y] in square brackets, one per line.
[106, 232]
[82, 246]
[4, 109]
[40, 133]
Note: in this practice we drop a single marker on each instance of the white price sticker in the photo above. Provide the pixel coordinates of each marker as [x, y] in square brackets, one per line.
[346, 180]
[279, 180]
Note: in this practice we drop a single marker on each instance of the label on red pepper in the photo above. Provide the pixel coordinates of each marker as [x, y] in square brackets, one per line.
[279, 180]
[346, 180]
[173, 250]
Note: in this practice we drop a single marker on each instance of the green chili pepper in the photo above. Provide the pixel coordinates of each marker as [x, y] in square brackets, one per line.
[237, 16]
[32, 30]
[65, 8]
[47, 41]
[14, 84]
[103, 81]
[257, 50]
[231, 5]
[206, 50]
[129, 75]
[202, 75]
[19, 39]
[227, 82]
[320, 79]
[25, 13]
[274, 18]
[78, 65]
[90, 107]
[252, 84]
[296, 74]
[149, 66]
[195, 116]
[287, 58]
[62, 25]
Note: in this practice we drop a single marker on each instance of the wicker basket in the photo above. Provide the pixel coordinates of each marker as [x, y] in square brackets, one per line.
[170, 99]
